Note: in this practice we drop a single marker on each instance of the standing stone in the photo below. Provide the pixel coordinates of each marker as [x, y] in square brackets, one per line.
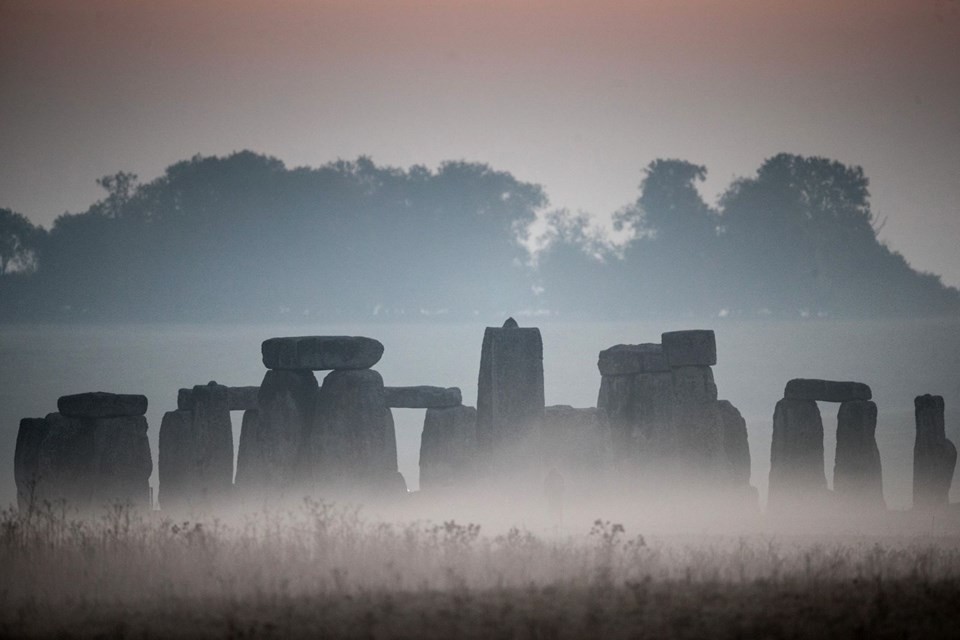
[652, 415]
[213, 439]
[572, 441]
[26, 459]
[934, 456]
[696, 348]
[796, 454]
[272, 452]
[242, 398]
[175, 463]
[510, 397]
[352, 445]
[122, 464]
[616, 410]
[735, 444]
[693, 385]
[93, 462]
[857, 474]
[65, 462]
[448, 447]
[247, 458]
[321, 353]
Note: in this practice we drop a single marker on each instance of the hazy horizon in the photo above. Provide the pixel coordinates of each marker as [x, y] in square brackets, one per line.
[578, 97]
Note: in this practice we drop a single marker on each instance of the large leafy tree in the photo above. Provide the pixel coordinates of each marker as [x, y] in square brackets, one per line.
[19, 242]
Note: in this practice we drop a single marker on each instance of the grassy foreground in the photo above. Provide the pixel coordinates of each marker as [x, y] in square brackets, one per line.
[325, 571]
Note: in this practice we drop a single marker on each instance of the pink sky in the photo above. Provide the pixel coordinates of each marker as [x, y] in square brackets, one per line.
[578, 96]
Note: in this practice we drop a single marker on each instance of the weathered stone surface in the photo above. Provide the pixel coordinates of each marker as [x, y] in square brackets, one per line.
[89, 463]
[629, 359]
[510, 397]
[238, 398]
[175, 460]
[616, 409]
[26, 459]
[857, 474]
[693, 384]
[242, 398]
[352, 445]
[272, 450]
[123, 463]
[796, 454]
[319, 353]
[185, 399]
[934, 456]
[735, 443]
[65, 463]
[826, 390]
[99, 404]
[572, 440]
[423, 397]
[247, 458]
[213, 440]
[448, 447]
[695, 348]
[652, 411]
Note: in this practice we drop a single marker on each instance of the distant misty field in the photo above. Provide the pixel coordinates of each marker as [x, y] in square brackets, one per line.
[898, 359]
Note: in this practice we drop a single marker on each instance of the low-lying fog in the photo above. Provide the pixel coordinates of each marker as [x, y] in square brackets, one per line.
[898, 359]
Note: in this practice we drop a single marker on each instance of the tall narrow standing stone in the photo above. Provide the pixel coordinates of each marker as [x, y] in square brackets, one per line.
[796, 454]
[448, 447]
[510, 398]
[26, 459]
[175, 460]
[352, 445]
[857, 475]
[735, 444]
[213, 438]
[934, 456]
[272, 450]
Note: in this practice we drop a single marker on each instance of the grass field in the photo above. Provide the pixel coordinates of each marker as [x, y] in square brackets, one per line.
[322, 570]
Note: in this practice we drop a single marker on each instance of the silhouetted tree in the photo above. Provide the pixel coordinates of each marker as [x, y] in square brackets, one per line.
[19, 242]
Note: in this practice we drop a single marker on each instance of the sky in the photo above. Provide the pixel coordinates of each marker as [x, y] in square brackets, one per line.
[576, 96]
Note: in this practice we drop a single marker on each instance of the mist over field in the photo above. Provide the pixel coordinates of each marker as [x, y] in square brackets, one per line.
[406, 319]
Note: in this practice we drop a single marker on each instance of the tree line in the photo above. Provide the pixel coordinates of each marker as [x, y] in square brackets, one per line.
[244, 237]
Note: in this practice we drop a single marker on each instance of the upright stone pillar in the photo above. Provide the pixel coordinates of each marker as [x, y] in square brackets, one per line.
[95, 452]
[857, 474]
[26, 459]
[213, 437]
[448, 447]
[176, 465]
[510, 397]
[934, 456]
[735, 444]
[352, 445]
[697, 420]
[796, 455]
[272, 437]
